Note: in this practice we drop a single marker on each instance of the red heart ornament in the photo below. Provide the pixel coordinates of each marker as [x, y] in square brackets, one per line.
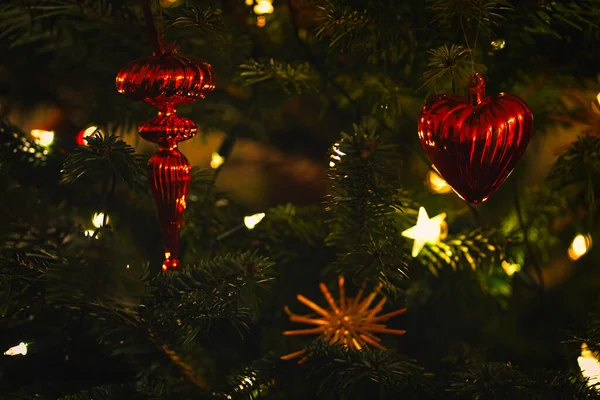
[475, 142]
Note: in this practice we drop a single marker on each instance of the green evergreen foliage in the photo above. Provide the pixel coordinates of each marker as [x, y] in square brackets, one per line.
[496, 309]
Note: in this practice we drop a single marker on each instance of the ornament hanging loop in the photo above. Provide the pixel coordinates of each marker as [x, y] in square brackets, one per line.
[152, 32]
[476, 89]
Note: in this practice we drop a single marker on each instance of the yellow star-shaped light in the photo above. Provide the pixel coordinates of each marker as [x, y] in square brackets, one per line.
[427, 230]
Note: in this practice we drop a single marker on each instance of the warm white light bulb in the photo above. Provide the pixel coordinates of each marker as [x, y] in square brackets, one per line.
[216, 160]
[89, 233]
[588, 363]
[509, 268]
[580, 246]
[98, 219]
[263, 7]
[426, 230]
[253, 220]
[89, 132]
[42, 137]
[249, 2]
[437, 184]
[20, 349]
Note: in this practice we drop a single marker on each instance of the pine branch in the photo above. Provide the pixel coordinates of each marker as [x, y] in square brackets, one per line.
[590, 334]
[492, 381]
[342, 23]
[486, 14]
[258, 380]
[289, 229]
[548, 17]
[466, 249]
[371, 30]
[565, 386]
[17, 150]
[39, 21]
[449, 67]
[207, 21]
[116, 285]
[503, 381]
[299, 76]
[360, 202]
[104, 156]
[373, 371]
[577, 171]
[224, 288]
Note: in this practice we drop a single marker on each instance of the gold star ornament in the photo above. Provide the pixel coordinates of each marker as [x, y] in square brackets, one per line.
[427, 230]
[350, 322]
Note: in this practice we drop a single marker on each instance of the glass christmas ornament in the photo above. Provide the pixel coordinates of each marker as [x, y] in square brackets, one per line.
[475, 142]
[167, 81]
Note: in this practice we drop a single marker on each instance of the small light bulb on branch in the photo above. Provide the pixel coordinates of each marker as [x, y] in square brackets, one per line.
[509, 268]
[336, 157]
[263, 7]
[249, 223]
[249, 2]
[426, 230]
[84, 134]
[42, 137]
[589, 365]
[98, 220]
[216, 160]
[498, 44]
[580, 246]
[437, 184]
[253, 220]
[20, 349]
[261, 21]
[219, 157]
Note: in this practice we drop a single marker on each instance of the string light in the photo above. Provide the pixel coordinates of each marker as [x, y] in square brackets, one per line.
[437, 184]
[498, 44]
[98, 219]
[580, 246]
[216, 160]
[249, 222]
[90, 233]
[249, 2]
[263, 7]
[169, 3]
[589, 365]
[87, 132]
[261, 21]
[509, 268]
[253, 220]
[42, 137]
[336, 156]
[20, 349]
[426, 230]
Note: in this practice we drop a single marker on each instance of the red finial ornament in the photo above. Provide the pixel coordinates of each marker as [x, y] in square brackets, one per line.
[166, 81]
[475, 142]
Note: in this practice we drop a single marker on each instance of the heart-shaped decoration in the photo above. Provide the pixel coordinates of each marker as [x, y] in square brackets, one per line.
[475, 142]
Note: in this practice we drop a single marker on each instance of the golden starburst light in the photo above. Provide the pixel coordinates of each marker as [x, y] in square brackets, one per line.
[350, 322]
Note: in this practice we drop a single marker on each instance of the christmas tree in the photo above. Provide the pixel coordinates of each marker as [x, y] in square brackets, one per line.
[343, 224]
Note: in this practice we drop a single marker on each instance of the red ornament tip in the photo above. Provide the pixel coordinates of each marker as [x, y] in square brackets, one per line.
[171, 264]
